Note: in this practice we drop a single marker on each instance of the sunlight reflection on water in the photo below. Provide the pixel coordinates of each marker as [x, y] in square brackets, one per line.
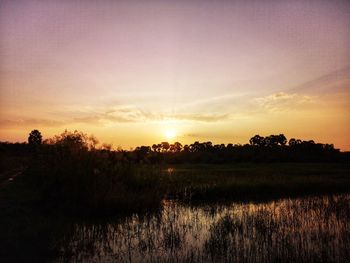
[311, 229]
[170, 170]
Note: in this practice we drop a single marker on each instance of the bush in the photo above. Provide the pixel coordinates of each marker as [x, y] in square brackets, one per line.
[71, 173]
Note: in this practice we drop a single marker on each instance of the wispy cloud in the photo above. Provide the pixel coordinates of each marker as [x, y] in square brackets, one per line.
[215, 99]
[119, 115]
[135, 115]
[109, 116]
[25, 122]
[334, 82]
[282, 101]
[202, 117]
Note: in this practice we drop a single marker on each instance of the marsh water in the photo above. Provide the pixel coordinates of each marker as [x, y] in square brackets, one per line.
[308, 229]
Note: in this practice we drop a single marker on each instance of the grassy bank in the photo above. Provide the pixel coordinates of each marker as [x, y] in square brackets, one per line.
[255, 181]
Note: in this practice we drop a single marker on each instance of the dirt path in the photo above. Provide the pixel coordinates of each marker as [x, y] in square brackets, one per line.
[9, 176]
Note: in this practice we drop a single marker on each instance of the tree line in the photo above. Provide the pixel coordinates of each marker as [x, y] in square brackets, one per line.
[272, 148]
[259, 148]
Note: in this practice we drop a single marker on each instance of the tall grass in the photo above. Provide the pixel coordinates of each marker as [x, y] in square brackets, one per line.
[79, 179]
[313, 229]
[82, 178]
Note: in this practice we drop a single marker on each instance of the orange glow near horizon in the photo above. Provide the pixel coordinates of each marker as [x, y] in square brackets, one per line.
[132, 75]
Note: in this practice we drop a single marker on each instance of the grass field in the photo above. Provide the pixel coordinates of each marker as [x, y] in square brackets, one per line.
[255, 181]
[33, 225]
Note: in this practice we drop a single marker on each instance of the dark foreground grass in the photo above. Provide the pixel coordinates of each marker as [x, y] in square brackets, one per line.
[46, 201]
[32, 228]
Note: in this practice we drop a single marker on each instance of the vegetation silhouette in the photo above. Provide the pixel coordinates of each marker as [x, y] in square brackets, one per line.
[71, 171]
[35, 137]
[273, 148]
[71, 174]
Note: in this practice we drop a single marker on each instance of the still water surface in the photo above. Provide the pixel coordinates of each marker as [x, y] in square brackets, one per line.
[310, 229]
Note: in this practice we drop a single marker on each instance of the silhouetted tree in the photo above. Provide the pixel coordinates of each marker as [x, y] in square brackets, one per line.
[219, 147]
[143, 149]
[282, 140]
[74, 140]
[176, 147]
[328, 147]
[208, 145]
[257, 140]
[195, 147]
[272, 140]
[92, 142]
[158, 147]
[165, 146]
[106, 147]
[35, 137]
[142, 152]
[186, 148]
[292, 142]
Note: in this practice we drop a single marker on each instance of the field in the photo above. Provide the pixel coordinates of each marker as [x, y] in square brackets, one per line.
[247, 212]
[256, 181]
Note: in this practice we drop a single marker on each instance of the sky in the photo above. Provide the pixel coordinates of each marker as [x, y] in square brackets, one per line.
[142, 72]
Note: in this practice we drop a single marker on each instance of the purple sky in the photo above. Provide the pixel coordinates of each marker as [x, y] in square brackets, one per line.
[128, 70]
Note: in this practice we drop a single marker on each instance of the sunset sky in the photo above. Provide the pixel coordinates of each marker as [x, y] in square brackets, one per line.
[141, 72]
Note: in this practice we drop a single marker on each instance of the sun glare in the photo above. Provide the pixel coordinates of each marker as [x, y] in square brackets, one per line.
[170, 134]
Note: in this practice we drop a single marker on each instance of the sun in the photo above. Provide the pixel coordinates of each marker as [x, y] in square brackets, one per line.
[170, 134]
